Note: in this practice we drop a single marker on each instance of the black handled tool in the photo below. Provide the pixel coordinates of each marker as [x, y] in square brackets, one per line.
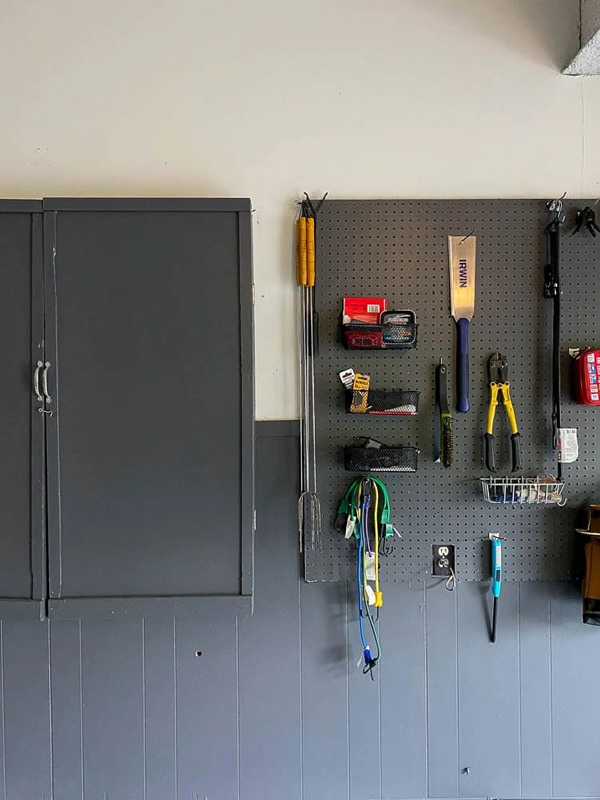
[444, 442]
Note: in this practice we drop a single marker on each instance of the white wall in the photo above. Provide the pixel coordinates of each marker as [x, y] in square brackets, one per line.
[268, 98]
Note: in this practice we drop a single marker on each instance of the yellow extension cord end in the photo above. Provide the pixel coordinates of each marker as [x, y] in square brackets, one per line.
[378, 599]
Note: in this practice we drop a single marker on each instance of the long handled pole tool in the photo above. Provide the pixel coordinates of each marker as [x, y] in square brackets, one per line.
[496, 580]
[309, 507]
[552, 290]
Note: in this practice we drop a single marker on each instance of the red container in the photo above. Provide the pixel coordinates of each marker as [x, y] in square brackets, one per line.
[586, 378]
[363, 337]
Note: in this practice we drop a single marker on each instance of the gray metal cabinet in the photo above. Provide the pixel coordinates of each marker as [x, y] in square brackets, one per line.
[147, 406]
[22, 542]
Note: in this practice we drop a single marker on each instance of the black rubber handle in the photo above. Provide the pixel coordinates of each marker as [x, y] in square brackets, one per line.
[494, 621]
[515, 441]
[441, 387]
[490, 452]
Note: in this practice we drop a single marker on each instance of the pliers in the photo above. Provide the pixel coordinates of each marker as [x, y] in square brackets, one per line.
[500, 393]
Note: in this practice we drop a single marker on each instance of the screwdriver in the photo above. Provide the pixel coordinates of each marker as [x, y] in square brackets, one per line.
[496, 579]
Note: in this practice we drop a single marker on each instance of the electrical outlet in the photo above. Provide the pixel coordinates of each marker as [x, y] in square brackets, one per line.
[443, 559]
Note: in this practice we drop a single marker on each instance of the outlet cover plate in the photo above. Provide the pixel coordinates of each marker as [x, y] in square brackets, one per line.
[441, 552]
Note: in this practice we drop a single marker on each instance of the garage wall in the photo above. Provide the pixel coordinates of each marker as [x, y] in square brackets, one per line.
[393, 98]
[275, 706]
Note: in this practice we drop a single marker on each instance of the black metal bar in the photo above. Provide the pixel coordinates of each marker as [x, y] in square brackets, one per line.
[552, 290]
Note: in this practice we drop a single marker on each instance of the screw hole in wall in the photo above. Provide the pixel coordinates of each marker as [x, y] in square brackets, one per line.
[198, 653]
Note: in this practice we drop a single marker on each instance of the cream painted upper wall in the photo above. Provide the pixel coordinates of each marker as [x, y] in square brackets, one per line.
[268, 98]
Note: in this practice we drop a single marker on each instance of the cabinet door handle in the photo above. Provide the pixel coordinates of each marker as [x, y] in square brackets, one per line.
[36, 381]
[47, 366]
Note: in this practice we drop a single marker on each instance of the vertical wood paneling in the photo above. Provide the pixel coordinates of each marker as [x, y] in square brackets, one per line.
[488, 685]
[442, 687]
[65, 663]
[158, 723]
[207, 708]
[325, 764]
[26, 681]
[364, 720]
[159, 707]
[535, 689]
[403, 692]
[269, 680]
[112, 693]
[575, 698]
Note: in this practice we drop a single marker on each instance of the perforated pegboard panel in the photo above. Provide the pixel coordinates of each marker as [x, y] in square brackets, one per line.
[398, 249]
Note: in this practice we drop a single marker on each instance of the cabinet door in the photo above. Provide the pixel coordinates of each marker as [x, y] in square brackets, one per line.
[22, 553]
[150, 448]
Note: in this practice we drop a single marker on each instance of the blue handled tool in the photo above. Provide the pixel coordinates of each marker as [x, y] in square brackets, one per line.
[496, 578]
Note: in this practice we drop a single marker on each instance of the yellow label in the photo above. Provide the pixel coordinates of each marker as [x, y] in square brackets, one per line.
[360, 393]
[361, 382]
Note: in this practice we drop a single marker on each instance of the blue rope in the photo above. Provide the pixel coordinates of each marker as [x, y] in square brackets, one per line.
[359, 582]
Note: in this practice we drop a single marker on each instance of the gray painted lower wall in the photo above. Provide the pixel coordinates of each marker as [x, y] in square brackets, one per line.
[275, 707]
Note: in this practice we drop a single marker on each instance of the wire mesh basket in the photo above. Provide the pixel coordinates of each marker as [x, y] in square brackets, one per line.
[381, 459]
[382, 401]
[544, 490]
[391, 336]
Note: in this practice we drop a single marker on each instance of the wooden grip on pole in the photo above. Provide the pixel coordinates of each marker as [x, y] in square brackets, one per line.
[301, 256]
[310, 251]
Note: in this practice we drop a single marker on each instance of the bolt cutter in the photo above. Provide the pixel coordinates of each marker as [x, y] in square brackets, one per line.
[500, 394]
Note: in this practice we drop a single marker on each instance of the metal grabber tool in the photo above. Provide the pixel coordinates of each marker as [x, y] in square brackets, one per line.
[309, 507]
[500, 395]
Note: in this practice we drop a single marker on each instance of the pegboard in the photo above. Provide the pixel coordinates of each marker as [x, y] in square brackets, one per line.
[398, 249]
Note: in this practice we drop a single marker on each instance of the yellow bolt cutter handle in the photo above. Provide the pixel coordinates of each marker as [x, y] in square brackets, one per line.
[510, 411]
[492, 408]
[490, 447]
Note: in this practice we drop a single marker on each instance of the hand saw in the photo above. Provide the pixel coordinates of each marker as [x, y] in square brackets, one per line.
[462, 304]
